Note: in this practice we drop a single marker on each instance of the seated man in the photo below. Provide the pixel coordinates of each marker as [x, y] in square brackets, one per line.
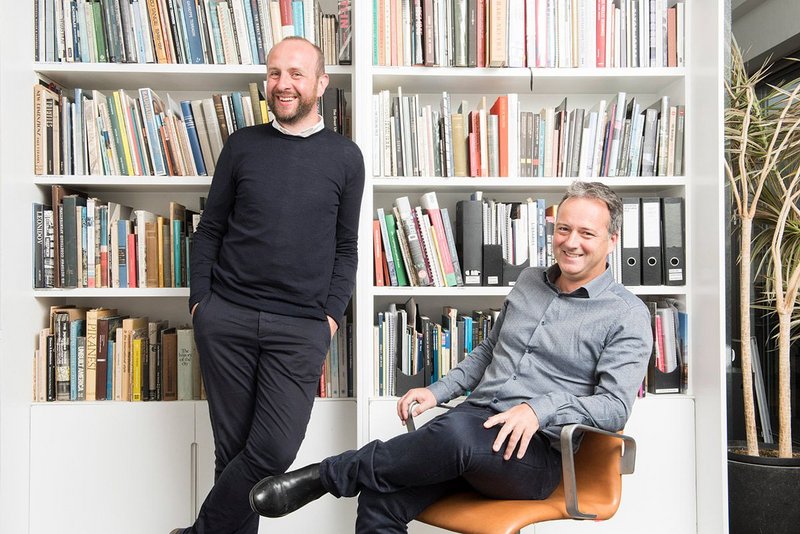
[570, 345]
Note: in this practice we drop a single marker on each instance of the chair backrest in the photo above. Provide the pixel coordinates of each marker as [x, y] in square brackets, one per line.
[598, 474]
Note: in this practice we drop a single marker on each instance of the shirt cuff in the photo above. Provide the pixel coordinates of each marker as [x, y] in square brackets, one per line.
[544, 409]
[440, 391]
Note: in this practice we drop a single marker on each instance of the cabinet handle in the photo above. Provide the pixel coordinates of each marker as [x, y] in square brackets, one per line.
[193, 481]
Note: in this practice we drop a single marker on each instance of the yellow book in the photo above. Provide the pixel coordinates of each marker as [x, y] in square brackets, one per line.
[436, 257]
[136, 370]
[123, 125]
[264, 111]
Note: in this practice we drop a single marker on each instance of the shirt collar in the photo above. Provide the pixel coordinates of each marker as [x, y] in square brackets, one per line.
[591, 289]
[305, 133]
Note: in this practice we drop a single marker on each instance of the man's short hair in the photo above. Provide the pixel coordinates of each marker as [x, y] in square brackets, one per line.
[598, 191]
[320, 70]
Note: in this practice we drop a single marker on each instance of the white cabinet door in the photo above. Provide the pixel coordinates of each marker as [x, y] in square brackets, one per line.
[332, 430]
[659, 497]
[110, 467]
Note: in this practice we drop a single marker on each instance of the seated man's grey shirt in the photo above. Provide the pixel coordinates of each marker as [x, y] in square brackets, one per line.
[575, 357]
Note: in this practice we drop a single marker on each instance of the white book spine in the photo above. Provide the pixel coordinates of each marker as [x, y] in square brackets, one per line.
[242, 39]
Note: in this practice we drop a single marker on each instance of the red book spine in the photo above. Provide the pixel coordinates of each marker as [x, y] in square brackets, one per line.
[600, 33]
[480, 25]
[286, 13]
[378, 253]
[131, 252]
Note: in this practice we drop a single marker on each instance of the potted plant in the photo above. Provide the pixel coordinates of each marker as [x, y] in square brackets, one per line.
[762, 165]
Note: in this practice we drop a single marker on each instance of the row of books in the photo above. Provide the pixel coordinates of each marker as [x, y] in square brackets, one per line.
[415, 247]
[100, 354]
[84, 242]
[185, 31]
[413, 350]
[616, 137]
[494, 241]
[90, 132]
[336, 380]
[667, 371]
[529, 33]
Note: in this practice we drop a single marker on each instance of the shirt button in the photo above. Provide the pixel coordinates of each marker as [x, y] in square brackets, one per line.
[514, 377]
[543, 322]
[495, 401]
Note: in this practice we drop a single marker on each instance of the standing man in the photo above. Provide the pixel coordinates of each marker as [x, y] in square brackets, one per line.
[571, 345]
[273, 267]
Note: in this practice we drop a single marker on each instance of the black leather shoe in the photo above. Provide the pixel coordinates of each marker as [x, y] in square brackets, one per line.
[279, 495]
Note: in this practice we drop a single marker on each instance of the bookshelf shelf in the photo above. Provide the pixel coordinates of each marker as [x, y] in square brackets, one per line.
[527, 184]
[540, 81]
[129, 183]
[501, 291]
[132, 292]
[161, 77]
[405, 292]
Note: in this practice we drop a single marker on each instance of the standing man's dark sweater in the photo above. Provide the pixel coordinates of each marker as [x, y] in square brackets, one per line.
[291, 194]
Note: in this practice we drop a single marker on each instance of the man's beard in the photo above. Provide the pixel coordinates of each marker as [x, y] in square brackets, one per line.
[304, 107]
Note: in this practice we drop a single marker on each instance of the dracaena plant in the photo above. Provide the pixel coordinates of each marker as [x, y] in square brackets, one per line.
[762, 149]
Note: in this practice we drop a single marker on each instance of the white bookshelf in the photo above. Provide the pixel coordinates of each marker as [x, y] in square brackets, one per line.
[685, 431]
[168, 77]
[693, 425]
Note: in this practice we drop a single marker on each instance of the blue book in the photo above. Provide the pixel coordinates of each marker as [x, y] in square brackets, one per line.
[381, 354]
[446, 344]
[79, 165]
[67, 109]
[467, 334]
[258, 30]
[297, 18]
[541, 237]
[110, 368]
[138, 23]
[216, 34]
[193, 32]
[251, 33]
[76, 329]
[194, 141]
[103, 247]
[238, 109]
[122, 247]
[149, 101]
[84, 259]
[176, 247]
[437, 368]
[105, 147]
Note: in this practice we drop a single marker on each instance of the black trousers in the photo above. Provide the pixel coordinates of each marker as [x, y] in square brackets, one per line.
[261, 372]
[399, 478]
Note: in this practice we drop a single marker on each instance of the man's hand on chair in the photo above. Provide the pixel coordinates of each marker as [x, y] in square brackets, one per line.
[520, 423]
[422, 396]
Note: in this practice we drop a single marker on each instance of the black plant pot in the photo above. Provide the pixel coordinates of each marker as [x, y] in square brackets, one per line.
[763, 494]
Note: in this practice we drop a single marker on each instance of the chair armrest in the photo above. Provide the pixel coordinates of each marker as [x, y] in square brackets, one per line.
[627, 463]
[410, 425]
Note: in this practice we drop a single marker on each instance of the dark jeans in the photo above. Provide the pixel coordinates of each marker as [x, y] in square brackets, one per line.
[399, 478]
[260, 372]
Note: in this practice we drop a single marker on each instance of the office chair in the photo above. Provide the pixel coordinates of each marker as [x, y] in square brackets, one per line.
[592, 477]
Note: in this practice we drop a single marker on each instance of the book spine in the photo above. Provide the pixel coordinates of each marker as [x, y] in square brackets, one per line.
[409, 228]
[194, 141]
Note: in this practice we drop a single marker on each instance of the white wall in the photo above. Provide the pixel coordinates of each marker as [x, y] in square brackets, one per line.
[764, 27]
